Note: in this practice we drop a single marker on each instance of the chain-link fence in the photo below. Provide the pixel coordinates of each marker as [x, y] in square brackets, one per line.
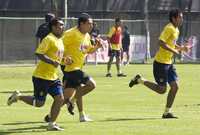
[18, 42]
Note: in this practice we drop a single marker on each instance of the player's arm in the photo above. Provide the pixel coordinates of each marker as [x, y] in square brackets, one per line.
[41, 51]
[96, 46]
[184, 47]
[46, 59]
[67, 60]
[109, 35]
[164, 36]
[167, 47]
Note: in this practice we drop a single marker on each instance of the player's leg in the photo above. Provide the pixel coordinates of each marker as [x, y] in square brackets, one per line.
[68, 94]
[122, 56]
[172, 80]
[56, 91]
[127, 56]
[70, 84]
[82, 116]
[83, 90]
[160, 74]
[109, 64]
[86, 88]
[88, 84]
[37, 100]
[118, 63]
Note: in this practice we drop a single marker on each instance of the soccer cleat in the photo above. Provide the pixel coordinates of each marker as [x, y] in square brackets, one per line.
[108, 75]
[47, 118]
[54, 127]
[134, 81]
[121, 75]
[13, 98]
[169, 116]
[84, 118]
[70, 107]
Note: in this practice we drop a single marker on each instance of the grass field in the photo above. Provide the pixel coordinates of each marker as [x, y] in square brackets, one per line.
[115, 108]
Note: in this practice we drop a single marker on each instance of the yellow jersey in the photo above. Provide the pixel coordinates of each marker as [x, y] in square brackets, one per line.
[52, 47]
[76, 45]
[115, 30]
[169, 35]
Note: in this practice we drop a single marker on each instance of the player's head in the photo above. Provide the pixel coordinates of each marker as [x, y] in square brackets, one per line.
[94, 24]
[85, 23]
[118, 21]
[176, 17]
[49, 17]
[125, 27]
[56, 27]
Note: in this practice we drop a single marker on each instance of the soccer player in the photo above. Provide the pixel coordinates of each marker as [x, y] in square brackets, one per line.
[45, 77]
[125, 44]
[114, 40]
[163, 68]
[77, 45]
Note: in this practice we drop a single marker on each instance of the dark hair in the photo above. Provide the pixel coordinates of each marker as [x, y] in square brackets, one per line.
[54, 22]
[174, 13]
[83, 18]
[117, 19]
[125, 27]
[49, 17]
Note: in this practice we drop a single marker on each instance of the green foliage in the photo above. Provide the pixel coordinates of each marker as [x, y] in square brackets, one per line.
[115, 108]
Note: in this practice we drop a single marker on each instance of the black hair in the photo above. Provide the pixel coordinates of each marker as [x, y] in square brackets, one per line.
[117, 20]
[49, 17]
[84, 17]
[174, 13]
[125, 27]
[54, 22]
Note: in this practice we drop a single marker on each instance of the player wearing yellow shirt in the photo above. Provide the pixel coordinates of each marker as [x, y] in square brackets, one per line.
[114, 40]
[45, 77]
[77, 45]
[163, 69]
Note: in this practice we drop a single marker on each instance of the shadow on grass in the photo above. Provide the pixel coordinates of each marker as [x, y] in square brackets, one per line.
[10, 92]
[40, 128]
[128, 119]
[23, 123]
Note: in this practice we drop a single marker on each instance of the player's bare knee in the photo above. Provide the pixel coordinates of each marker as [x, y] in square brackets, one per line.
[91, 84]
[175, 88]
[109, 62]
[59, 99]
[162, 90]
[62, 100]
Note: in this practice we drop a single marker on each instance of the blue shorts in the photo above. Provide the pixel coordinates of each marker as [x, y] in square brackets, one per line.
[164, 73]
[75, 78]
[43, 87]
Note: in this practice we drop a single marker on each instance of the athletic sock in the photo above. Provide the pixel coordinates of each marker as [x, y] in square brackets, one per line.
[73, 100]
[82, 113]
[167, 110]
[141, 80]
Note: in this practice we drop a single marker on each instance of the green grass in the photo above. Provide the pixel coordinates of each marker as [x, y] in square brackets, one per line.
[115, 108]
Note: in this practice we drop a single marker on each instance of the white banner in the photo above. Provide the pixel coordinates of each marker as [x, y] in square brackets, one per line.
[137, 51]
[191, 55]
